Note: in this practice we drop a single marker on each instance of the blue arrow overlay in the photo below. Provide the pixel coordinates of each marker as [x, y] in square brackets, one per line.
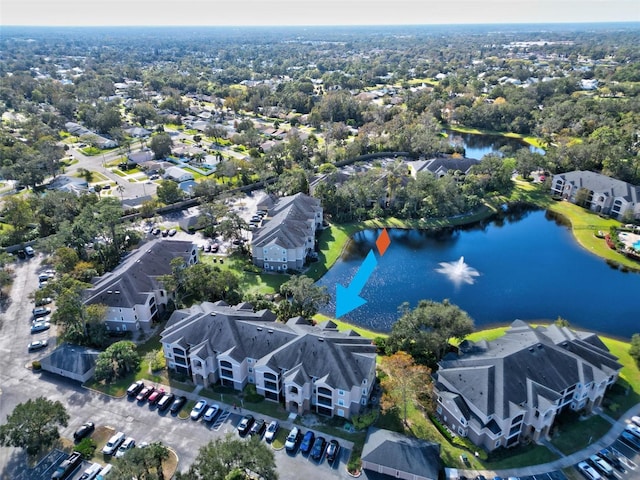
[348, 299]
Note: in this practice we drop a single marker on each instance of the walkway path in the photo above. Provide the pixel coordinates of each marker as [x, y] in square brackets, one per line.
[565, 460]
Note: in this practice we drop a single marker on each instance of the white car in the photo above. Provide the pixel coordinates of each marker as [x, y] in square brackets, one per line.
[602, 465]
[292, 439]
[198, 409]
[40, 326]
[588, 471]
[635, 430]
[127, 445]
[113, 443]
[636, 420]
[272, 429]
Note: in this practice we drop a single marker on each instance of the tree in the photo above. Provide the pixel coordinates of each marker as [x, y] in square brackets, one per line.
[406, 382]
[169, 192]
[18, 213]
[34, 425]
[425, 331]
[161, 145]
[304, 297]
[634, 350]
[117, 361]
[216, 132]
[221, 459]
[138, 463]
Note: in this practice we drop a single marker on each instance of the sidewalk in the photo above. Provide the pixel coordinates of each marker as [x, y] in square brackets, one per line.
[566, 460]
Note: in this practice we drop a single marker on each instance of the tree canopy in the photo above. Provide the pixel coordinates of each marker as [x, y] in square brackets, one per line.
[117, 361]
[222, 459]
[304, 297]
[634, 350]
[33, 425]
[425, 331]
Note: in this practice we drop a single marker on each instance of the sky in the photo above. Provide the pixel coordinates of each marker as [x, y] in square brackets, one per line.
[312, 12]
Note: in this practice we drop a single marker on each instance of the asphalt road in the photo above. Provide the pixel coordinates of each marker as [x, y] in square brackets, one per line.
[18, 383]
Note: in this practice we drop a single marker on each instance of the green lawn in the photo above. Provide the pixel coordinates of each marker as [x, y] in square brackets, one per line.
[364, 332]
[331, 243]
[576, 434]
[91, 151]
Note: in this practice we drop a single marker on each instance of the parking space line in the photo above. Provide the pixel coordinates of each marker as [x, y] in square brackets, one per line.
[221, 419]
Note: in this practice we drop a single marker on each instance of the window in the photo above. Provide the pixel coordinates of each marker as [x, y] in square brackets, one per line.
[461, 431]
[497, 443]
[250, 370]
[341, 392]
[341, 402]
[439, 409]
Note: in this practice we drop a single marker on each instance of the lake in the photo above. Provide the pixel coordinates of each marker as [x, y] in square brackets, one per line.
[529, 267]
[478, 145]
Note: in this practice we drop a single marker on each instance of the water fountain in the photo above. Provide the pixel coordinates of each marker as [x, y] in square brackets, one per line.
[458, 272]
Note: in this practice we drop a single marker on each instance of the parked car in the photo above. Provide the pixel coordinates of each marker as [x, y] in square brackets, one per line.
[630, 438]
[258, 427]
[636, 420]
[214, 247]
[67, 467]
[333, 451]
[271, 431]
[144, 393]
[43, 277]
[37, 345]
[307, 442]
[40, 327]
[127, 445]
[165, 233]
[633, 429]
[611, 458]
[29, 251]
[91, 472]
[211, 413]
[198, 410]
[178, 403]
[85, 430]
[155, 231]
[588, 471]
[166, 401]
[601, 465]
[41, 311]
[172, 232]
[245, 424]
[113, 443]
[155, 396]
[43, 301]
[134, 388]
[318, 448]
[292, 439]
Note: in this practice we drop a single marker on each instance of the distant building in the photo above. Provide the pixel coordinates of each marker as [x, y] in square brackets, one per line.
[308, 368]
[132, 292]
[604, 194]
[511, 389]
[287, 234]
[441, 165]
[177, 174]
[99, 141]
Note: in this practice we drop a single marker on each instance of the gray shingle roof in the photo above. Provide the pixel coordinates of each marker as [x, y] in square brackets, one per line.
[525, 365]
[402, 453]
[137, 275]
[601, 183]
[71, 358]
[324, 353]
[288, 223]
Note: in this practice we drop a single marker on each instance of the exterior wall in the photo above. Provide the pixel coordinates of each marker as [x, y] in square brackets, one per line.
[374, 467]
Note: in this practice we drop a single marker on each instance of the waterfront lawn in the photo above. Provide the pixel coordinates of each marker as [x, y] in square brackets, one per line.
[252, 279]
[364, 332]
[331, 243]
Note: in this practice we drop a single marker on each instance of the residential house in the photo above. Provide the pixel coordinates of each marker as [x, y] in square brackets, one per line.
[133, 294]
[287, 235]
[138, 132]
[393, 455]
[441, 165]
[98, 140]
[71, 361]
[512, 389]
[177, 174]
[602, 194]
[305, 367]
[64, 183]
[139, 158]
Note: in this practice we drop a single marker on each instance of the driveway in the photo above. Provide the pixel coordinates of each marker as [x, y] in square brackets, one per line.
[18, 383]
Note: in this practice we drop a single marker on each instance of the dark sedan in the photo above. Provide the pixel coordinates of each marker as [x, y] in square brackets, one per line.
[85, 430]
[333, 451]
[245, 424]
[166, 401]
[134, 388]
[318, 448]
[178, 403]
[307, 442]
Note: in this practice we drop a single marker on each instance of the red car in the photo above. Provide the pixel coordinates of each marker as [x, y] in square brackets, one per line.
[144, 394]
[155, 396]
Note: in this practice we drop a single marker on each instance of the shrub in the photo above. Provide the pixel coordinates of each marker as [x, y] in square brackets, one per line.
[36, 365]
[251, 395]
[158, 362]
[363, 421]
[86, 447]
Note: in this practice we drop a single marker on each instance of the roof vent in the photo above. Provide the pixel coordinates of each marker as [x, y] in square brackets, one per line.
[320, 339]
[117, 291]
[540, 346]
[531, 349]
[109, 292]
[213, 314]
[270, 331]
[259, 329]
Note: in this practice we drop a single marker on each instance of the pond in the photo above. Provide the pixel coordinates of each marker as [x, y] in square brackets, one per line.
[528, 267]
[478, 145]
